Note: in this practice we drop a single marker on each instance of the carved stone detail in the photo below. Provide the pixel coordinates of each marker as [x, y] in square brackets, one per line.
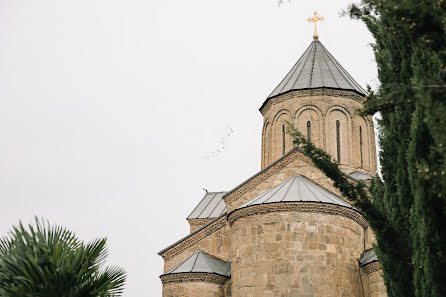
[316, 207]
[193, 277]
[372, 267]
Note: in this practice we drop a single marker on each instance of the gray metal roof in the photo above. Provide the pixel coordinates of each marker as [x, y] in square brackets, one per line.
[317, 68]
[211, 206]
[202, 262]
[360, 176]
[297, 189]
[367, 257]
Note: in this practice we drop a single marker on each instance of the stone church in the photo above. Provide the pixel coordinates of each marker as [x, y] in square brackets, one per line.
[286, 231]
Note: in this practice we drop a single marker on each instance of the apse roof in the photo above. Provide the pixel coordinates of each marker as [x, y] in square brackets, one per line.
[367, 257]
[317, 68]
[211, 206]
[297, 189]
[202, 262]
[360, 176]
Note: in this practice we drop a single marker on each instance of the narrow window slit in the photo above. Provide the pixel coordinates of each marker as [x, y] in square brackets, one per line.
[309, 131]
[338, 140]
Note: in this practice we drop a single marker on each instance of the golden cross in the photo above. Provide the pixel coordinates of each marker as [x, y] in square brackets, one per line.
[315, 19]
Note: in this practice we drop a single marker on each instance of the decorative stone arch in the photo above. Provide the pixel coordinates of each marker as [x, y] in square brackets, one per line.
[266, 143]
[309, 119]
[281, 141]
[281, 113]
[361, 143]
[334, 114]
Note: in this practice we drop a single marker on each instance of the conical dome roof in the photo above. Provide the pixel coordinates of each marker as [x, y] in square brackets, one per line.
[202, 262]
[297, 189]
[317, 68]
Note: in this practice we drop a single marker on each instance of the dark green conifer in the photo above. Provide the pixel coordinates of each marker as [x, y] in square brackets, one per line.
[406, 207]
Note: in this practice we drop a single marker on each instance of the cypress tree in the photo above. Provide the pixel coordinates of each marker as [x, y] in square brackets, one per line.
[406, 207]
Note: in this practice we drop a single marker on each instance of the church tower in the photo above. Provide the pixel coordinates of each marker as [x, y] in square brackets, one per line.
[286, 230]
[323, 101]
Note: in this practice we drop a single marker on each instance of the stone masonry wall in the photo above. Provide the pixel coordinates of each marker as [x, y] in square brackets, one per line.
[376, 284]
[296, 255]
[193, 289]
[217, 244]
[322, 108]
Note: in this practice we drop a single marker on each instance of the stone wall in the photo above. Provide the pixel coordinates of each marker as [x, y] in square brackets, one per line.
[293, 254]
[193, 289]
[218, 244]
[321, 109]
[376, 284]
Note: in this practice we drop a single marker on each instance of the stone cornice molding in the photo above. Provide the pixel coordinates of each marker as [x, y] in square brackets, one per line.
[265, 173]
[193, 238]
[193, 277]
[309, 93]
[314, 207]
[199, 222]
[372, 267]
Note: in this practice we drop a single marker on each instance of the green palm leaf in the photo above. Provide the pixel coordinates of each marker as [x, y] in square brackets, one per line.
[50, 261]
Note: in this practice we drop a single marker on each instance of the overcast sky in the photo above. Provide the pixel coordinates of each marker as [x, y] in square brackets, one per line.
[112, 112]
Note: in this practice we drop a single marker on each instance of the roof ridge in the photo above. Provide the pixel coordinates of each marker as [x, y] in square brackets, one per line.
[295, 66]
[320, 70]
[291, 184]
[297, 78]
[312, 66]
[210, 263]
[197, 253]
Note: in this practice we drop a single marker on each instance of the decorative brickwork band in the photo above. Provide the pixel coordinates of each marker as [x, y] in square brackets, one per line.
[372, 267]
[193, 238]
[193, 277]
[197, 223]
[315, 207]
[309, 93]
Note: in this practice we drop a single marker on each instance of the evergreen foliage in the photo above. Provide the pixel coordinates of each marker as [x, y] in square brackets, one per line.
[406, 208]
[49, 261]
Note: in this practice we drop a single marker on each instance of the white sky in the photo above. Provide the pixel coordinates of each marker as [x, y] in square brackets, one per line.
[108, 109]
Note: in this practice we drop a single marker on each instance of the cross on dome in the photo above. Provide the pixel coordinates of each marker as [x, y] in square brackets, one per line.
[316, 18]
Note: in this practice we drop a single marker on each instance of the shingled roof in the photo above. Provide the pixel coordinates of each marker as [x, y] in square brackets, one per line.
[297, 189]
[211, 206]
[204, 263]
[317, 68]
[367, 257]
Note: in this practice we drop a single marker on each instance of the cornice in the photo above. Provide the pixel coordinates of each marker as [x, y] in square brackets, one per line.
[193, 238]
[314, 207]
[193, 277]
[372, 267]
[310, 93]
[199, 222]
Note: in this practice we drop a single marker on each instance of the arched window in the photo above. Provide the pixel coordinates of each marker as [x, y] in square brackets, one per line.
[360, 145]
[338, 140]
[268, 145]
[309, 131]
[283, 139]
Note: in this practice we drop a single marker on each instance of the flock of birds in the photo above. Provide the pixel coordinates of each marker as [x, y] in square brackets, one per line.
[221, 148]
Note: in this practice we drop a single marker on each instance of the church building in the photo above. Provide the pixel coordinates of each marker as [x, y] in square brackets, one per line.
[286, 231]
